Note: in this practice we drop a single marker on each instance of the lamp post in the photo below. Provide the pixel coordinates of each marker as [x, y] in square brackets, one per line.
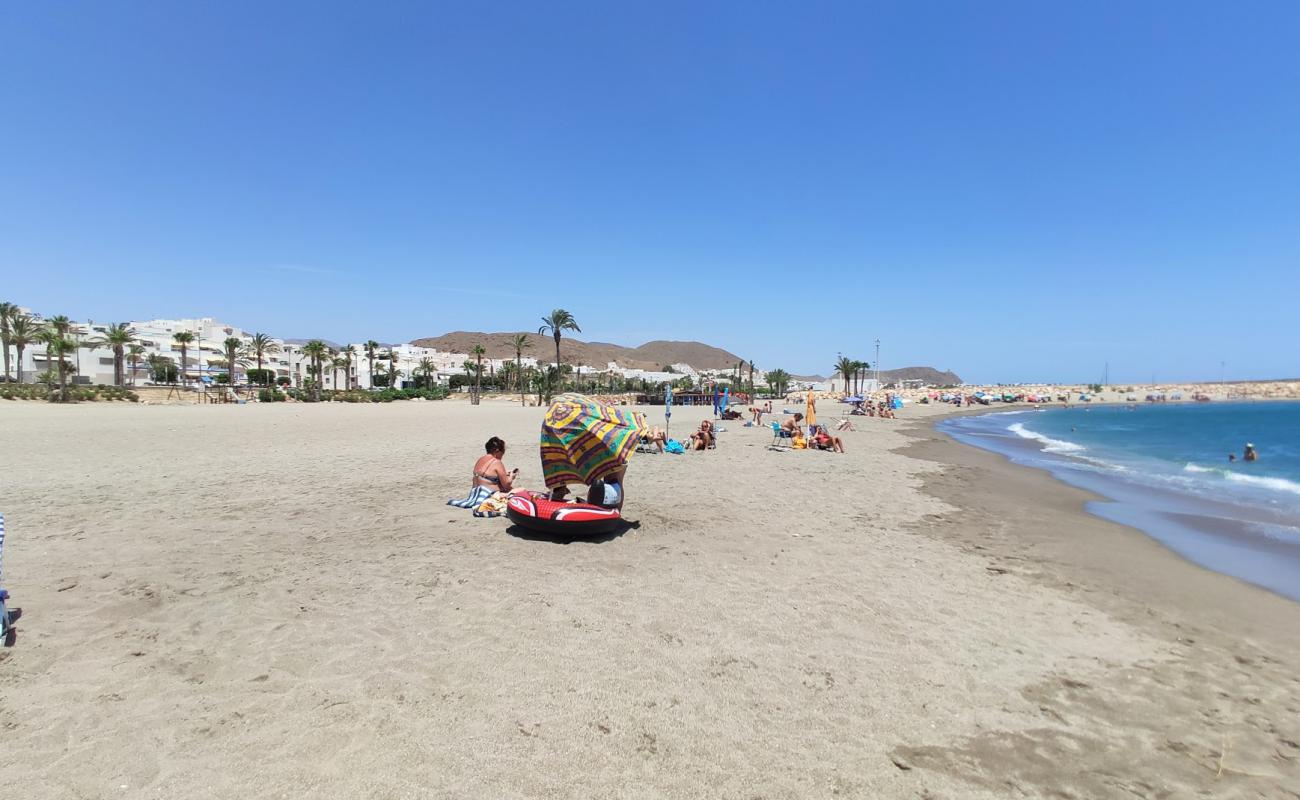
[877, 365]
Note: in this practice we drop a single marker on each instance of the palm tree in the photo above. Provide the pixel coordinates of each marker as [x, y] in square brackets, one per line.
[349, 355]
[339, 363]
[184, 339]
[134, 353]
[777, 379]
[862, 376]
[429, 370]
[392, 368]
[23, 332]
[117, 336]
[235, 354]
[556, 324]
[316, 350]
[847, 369]
[521, 343]
[7, 313]
[478, 352]
[372, 347]
[261, 346]
[58, 345]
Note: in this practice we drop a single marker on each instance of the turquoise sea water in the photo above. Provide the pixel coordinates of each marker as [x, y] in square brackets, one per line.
[1165, 470]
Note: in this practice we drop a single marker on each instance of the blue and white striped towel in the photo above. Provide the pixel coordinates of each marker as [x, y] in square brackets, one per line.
[477, 496]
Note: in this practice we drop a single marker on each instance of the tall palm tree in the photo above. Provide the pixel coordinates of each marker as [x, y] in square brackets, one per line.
[134, 352]
[349, 355]
[118, 336]
[23, 332]
[521, 342]
[7, 312]
[316, 350]
[184, 339]
[392, 368]
[339, 363]
[236, 354]
[862, 375]
[429, 370]
[478, 352]
[778, 379]
[556, 324]
[58, 345]
[372, 347]
[846, 368]
[261, 346]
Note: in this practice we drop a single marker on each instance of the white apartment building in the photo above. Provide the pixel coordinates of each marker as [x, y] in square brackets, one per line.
[205, 359]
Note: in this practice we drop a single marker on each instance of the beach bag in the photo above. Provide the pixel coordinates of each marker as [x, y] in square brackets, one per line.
[675, 447]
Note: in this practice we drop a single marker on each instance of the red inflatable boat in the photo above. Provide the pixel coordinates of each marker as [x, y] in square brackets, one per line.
[539, 513]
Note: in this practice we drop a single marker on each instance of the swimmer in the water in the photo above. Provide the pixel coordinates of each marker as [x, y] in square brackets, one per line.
[1250, 454]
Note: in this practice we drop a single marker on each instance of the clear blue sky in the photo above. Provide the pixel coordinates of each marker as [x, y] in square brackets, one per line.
[1013, 190]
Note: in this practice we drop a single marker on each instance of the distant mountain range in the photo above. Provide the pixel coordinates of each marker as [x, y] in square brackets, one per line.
[930, 375]
[649, 356]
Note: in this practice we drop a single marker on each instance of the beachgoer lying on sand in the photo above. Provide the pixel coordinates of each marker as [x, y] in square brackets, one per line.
[656, 436]
[824, 441]
[701, 439]
[490, 476]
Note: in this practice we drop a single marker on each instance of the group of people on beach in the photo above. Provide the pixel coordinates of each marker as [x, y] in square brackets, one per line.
[817, 438]
[490, 478]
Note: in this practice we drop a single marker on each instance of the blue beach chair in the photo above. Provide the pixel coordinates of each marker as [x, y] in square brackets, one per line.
[780, 437]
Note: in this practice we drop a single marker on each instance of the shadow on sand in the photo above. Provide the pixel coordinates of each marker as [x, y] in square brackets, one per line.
[537, 536]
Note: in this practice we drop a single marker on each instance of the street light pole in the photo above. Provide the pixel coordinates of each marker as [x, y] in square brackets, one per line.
[877, 365]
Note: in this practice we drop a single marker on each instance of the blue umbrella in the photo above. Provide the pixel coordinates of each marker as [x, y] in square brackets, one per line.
[726, 395]
[668, 408]
[717, 396]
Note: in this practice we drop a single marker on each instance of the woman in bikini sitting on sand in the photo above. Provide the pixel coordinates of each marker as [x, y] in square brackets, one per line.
[490, 475]
[701, 439]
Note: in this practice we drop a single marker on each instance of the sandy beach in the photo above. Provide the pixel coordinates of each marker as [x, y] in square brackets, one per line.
[274, 601]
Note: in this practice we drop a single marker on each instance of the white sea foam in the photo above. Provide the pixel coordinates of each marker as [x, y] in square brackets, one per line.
[1050, 445]
[1190, 467]
[1276, 484]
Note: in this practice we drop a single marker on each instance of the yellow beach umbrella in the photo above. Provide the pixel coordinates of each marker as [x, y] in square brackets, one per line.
[810, 416]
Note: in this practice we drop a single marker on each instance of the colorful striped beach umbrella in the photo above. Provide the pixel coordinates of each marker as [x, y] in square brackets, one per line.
[583, 440]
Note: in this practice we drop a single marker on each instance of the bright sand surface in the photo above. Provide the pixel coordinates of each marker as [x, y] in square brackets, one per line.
[274, 601]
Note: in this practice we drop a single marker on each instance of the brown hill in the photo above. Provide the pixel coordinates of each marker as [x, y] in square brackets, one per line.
[651, 355]
[930, 375]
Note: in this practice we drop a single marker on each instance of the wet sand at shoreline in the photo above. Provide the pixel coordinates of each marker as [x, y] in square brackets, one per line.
[273, 601]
